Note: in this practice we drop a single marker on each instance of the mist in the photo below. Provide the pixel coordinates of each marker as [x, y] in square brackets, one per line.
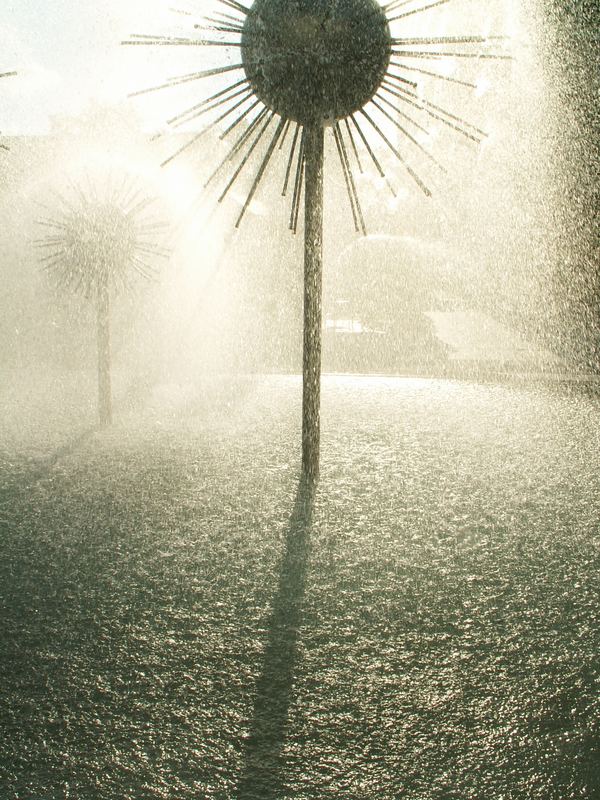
[299, 418]
[485, 243]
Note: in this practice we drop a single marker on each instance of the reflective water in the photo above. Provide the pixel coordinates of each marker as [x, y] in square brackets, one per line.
[178, 624]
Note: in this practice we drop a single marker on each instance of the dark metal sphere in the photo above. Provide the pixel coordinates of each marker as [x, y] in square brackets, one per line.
[311, 60]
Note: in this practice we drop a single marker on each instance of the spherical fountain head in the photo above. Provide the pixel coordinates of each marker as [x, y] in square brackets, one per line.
[315, 60]
[103, 237]
[100, 240]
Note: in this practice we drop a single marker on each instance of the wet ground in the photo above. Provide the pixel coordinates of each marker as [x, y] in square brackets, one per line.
[180, 622]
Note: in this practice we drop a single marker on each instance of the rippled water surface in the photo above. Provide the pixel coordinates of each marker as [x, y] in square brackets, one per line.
[178, 624]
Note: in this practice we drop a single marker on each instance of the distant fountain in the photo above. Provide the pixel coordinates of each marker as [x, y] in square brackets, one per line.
[94, 246]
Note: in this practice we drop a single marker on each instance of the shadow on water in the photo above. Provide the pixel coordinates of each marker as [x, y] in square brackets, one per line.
[263, 762]
[42, 468]
[15, 485]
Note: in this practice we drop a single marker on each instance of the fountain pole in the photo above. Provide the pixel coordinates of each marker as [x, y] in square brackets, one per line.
[313, 271]
[104, 387]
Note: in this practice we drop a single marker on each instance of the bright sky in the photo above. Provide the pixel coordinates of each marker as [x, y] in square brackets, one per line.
[68, 55]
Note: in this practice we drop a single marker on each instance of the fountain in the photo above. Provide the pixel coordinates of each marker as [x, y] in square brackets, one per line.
[94, 247]
[318, 65]
[182, 616]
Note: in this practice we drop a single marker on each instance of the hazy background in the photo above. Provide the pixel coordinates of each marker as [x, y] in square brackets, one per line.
[507, 238]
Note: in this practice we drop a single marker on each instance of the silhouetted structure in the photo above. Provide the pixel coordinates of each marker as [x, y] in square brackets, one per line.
[316, 65]
[95, 246]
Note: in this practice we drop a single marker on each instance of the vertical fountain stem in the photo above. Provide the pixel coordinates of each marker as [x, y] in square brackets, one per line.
[313, 270]
[104, 388]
